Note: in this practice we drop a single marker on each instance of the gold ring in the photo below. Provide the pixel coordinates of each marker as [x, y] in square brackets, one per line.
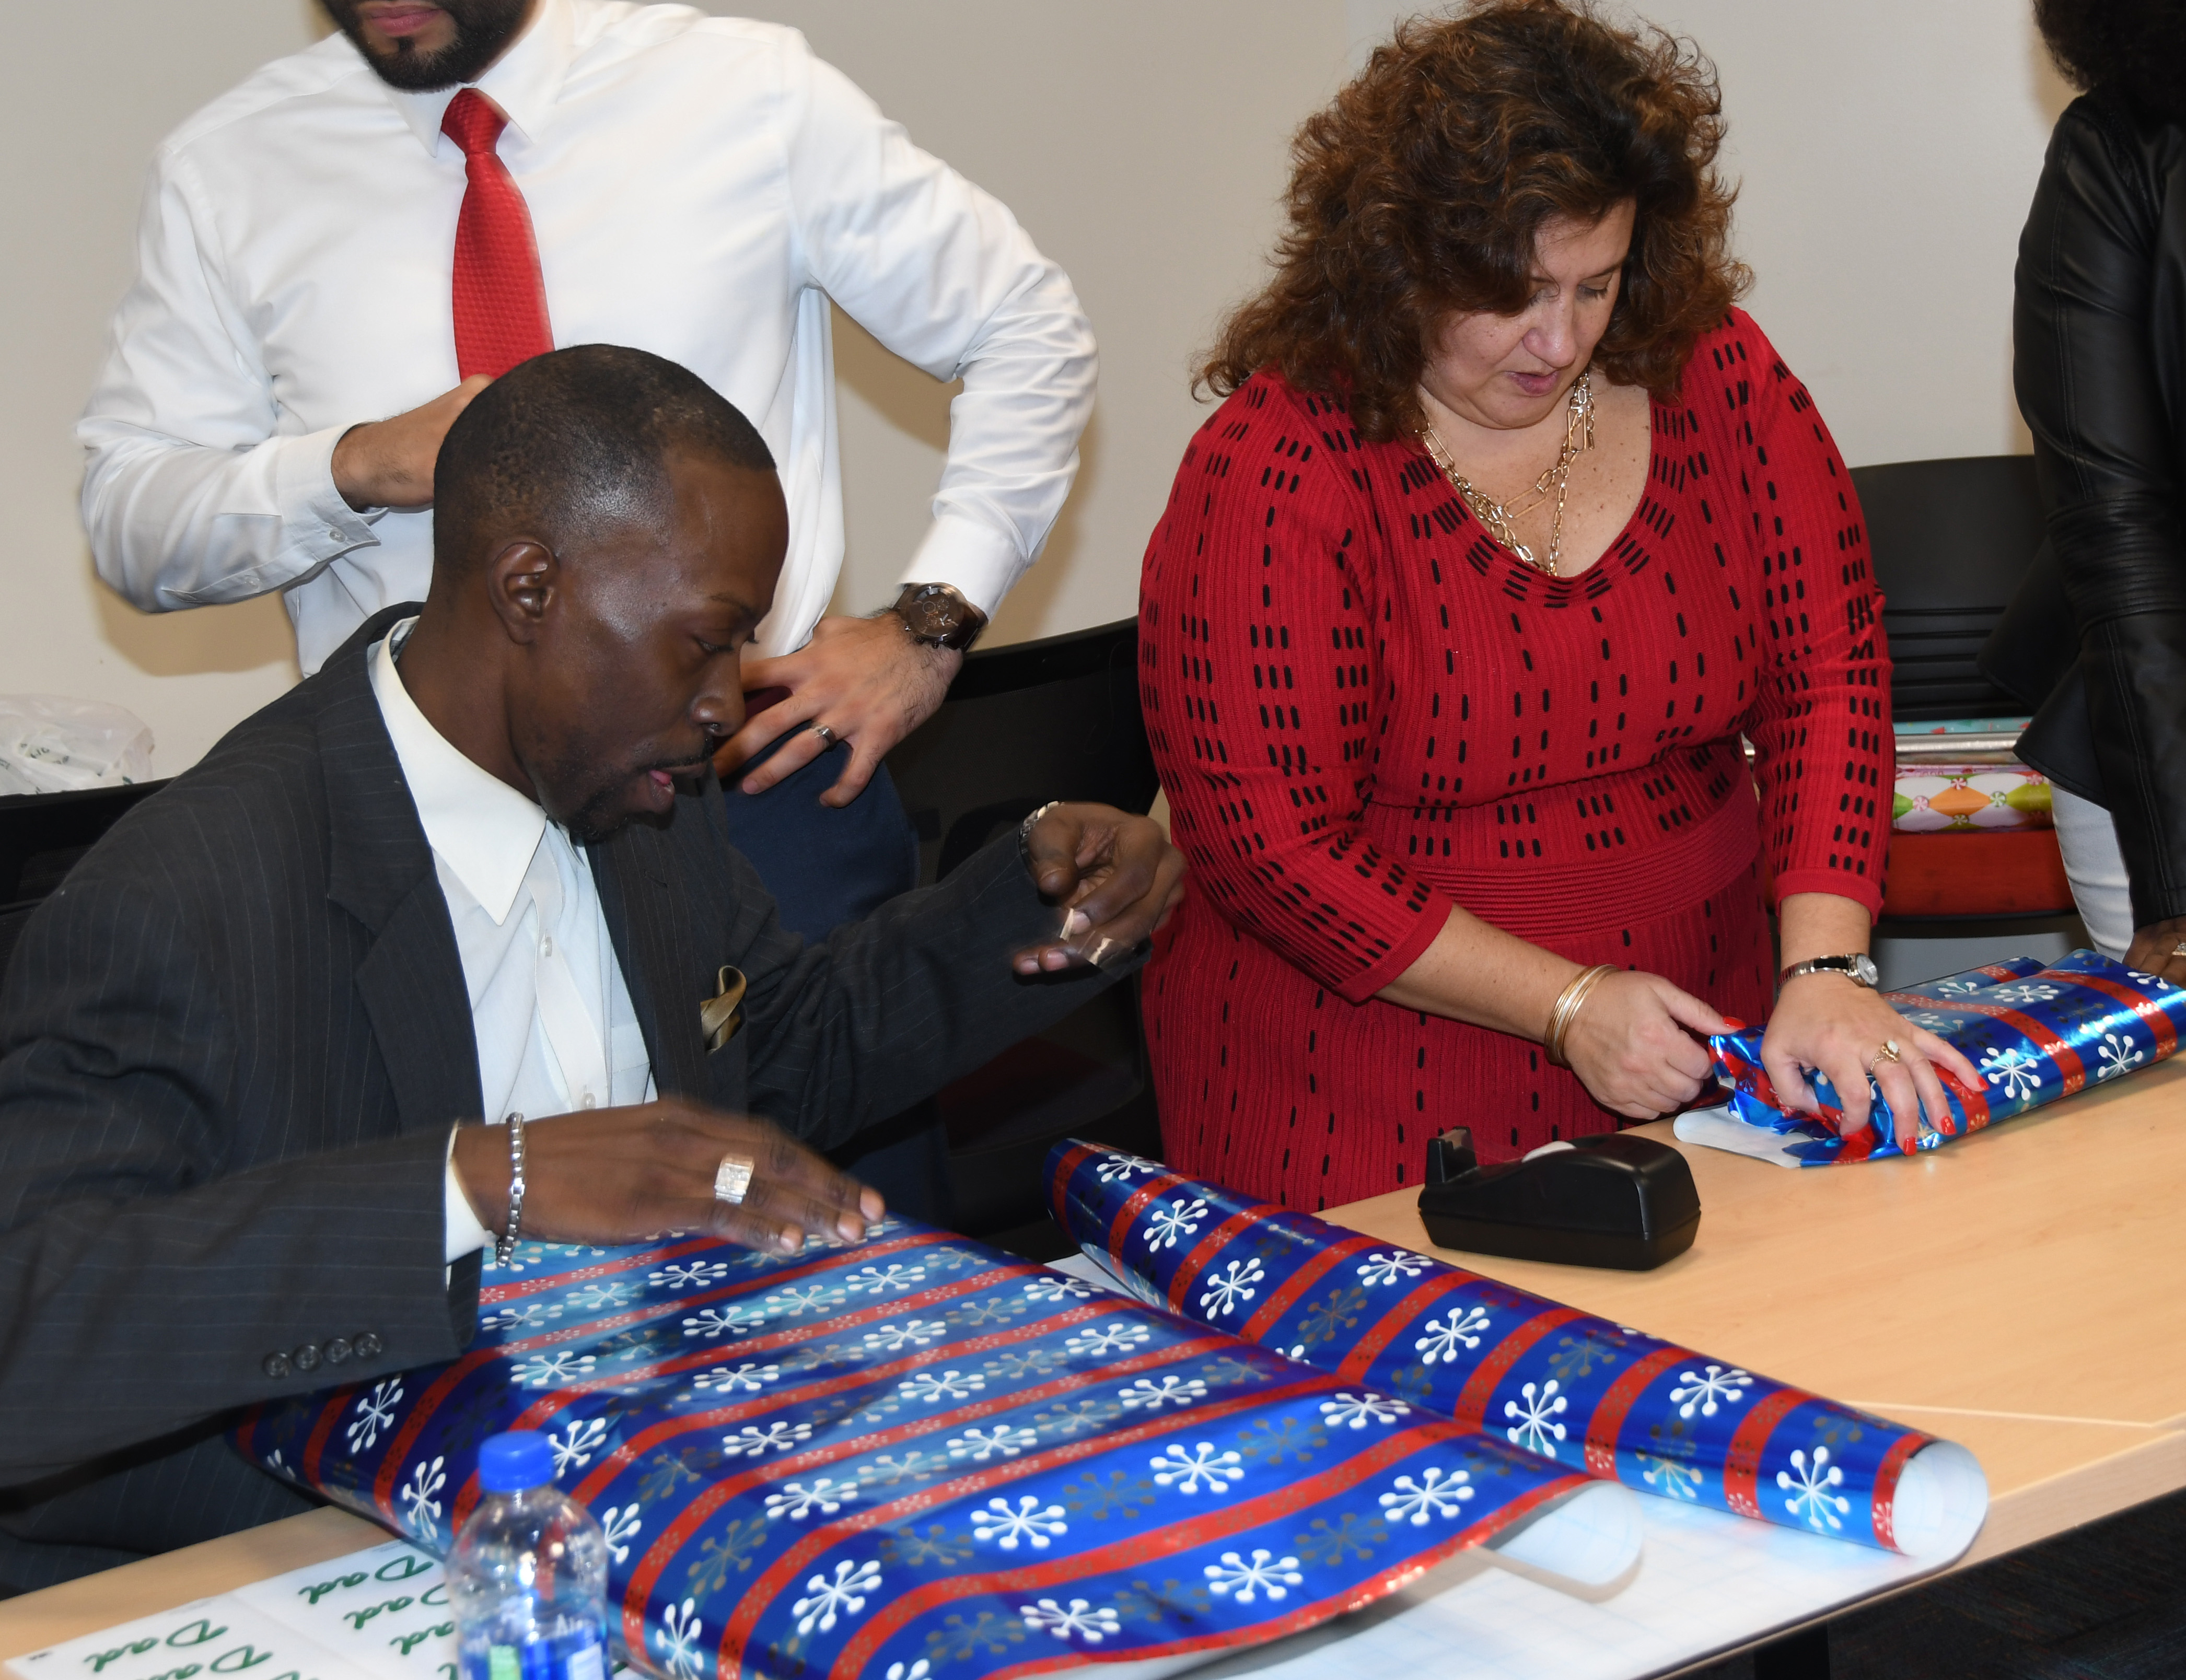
[733, 1178]
[1886, 1051]
[2179, 949]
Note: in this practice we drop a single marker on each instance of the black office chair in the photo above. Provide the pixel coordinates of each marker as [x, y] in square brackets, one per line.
[1951, 541]
[41, 835]
[1056, 718]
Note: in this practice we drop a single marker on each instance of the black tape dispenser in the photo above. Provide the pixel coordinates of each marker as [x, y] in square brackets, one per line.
[1613, 1200]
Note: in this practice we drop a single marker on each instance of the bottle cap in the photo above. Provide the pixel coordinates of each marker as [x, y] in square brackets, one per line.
[516, 1462]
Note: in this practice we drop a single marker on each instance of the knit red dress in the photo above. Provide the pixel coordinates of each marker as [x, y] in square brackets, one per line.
[1365, 710]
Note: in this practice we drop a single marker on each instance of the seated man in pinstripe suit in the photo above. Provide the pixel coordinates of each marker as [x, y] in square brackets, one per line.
[473, 868]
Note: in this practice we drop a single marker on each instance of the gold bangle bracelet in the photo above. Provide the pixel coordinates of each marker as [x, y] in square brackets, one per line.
[1569, 1002]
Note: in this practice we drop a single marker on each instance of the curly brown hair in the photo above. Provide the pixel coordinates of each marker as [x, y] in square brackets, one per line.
[1419, 191]
[2134, 46]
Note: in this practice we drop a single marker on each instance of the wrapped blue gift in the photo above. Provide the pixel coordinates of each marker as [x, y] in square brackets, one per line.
[1546, 1378]
[2035, 1033]
[920, 1456]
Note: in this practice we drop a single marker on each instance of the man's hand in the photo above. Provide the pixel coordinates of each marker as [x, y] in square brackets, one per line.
[866, 679]
[389, 463]
[2155, 951]
[618, 1175]
[1116, 875]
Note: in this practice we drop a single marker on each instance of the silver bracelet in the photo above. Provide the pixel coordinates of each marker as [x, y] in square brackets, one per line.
[504, 1248]
[1024, 836]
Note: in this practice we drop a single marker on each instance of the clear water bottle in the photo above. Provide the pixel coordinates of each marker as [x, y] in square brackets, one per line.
[528, 1573]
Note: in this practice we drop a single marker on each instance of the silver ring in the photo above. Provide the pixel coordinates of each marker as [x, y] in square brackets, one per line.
[733, 1178]
[2179, 949]
[827, 737]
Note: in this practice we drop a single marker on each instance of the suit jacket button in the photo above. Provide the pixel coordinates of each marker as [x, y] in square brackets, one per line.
[338, 1349]
[276, 1366]
[368, 1345]
[306, 1356]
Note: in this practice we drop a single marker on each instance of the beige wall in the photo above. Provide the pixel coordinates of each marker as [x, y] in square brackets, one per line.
[1888, 148]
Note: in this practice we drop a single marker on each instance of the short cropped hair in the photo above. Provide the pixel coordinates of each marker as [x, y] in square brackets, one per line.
[1420, 193]
[572, 441]
[2135, 47]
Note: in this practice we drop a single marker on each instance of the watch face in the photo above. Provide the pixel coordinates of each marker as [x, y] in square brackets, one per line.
[1864, 970]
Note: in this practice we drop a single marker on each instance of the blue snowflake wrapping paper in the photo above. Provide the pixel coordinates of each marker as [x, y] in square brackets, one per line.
[1580, 1390]
[918, 1457]
[2035, 1033]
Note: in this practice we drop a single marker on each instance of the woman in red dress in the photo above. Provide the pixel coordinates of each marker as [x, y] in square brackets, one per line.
[1510, 528]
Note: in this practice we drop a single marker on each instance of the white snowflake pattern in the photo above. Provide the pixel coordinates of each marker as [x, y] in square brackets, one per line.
[844, 1593]
[1933, 1020]
[2149, 981]
[714, 1322]
[879, 1280]
[1060, 1287]
[1535, 1410]
[542, 1371]
[1080, 1616]
[1203, 1466]
[1445, 1336]
[2026, 991]
[520, 1315]
[1226, 1293]
[620, 1525]
[1247, 1578]
[1811, 1500]
[800, 1299]
[1668, 1477]
[586, 1436]
[1170, 1225]
[981, 1444]
[689, 1273]
[912, 1333]
[1708, 1388]
[1391, 1267]
[778, 1436]
[1115, 1336]
[603, 1297]
[1958, 988]
[2018, 1070]
[1358, 1411]
[745, 1379]
[375, 1413]
[1027, 1521]
[1169, 1391]
[827, 1495]
[931, 1387]
[917, 1670]
[427, 1478]
[2118, 1054]
[1438, 1493]
[677, 1638]
[1119, 1167]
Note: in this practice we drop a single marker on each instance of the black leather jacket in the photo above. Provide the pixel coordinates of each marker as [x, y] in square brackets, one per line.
[2096, 639]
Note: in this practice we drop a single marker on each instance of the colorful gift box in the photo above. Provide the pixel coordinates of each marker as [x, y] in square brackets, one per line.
[2035, 1033]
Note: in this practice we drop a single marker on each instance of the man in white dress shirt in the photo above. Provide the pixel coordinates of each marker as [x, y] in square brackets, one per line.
[474, 868]
[284, 369]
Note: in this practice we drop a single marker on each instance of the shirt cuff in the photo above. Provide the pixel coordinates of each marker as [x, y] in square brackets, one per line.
[465, 1234]
[974, 559]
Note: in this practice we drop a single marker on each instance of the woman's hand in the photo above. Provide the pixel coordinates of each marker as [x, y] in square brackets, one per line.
[1833, 1024]
[1633, 1047]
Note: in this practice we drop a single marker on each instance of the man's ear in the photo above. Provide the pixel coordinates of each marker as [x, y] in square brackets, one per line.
[523, 582]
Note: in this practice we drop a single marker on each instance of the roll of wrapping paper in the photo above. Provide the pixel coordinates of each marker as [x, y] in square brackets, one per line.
[1585, 1393]
[2035, 1033]
[922, 1456]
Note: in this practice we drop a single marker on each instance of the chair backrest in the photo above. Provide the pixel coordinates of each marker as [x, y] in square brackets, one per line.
[41, 835]
[1056, 718]
[1950, 541]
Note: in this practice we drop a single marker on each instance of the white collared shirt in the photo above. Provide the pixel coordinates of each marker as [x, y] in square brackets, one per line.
[555, 1027]
[700, 187]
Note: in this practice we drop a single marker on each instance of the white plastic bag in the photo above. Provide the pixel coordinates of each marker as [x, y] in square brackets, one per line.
[50, 743]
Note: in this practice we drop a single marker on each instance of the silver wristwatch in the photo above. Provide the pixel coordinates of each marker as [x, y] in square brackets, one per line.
[1856, 966]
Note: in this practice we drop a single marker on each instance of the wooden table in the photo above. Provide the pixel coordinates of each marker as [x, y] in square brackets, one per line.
[2018, 1292]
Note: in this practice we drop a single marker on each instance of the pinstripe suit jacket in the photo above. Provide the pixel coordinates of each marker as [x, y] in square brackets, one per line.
[231, 1047]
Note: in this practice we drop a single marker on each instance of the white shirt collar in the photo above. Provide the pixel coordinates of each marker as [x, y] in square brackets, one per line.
[478, 824]
[524, 83]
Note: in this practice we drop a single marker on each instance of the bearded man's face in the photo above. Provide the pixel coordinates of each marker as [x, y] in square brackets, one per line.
[421, 45]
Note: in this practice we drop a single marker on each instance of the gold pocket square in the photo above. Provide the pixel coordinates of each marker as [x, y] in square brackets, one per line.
[723, 1013]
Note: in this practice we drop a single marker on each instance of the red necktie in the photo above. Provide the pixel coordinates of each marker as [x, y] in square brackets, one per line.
[499, 299]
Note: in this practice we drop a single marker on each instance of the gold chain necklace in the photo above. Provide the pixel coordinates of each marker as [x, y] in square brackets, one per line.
[1498, 517]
